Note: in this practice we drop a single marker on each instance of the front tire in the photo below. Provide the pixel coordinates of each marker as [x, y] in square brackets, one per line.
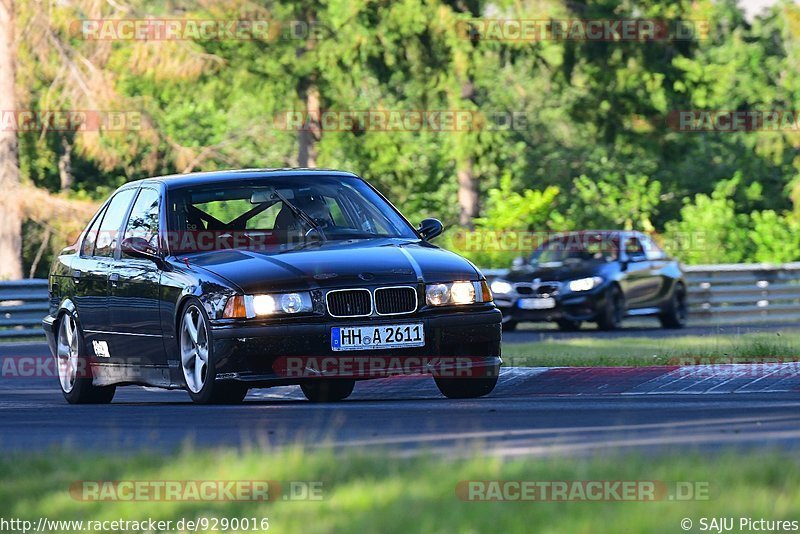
[197, 361]
[676, 312]
[466, 388]
[74, 371]
[322, 390]
[610, 317]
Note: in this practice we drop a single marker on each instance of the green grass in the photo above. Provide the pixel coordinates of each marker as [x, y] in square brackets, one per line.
[375, 493]
[37, 339]
[640, 351]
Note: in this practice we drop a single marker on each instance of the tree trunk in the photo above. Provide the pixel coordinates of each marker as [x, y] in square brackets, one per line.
[468, 189]
[10, 216]
[65, 165]
[311, 132]
[468, 195]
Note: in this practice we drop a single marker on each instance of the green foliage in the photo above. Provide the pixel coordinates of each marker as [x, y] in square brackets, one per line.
[710, 230]
[594, 149]
[612, 201]
[506, 209]
[508, 215]
[776, 236]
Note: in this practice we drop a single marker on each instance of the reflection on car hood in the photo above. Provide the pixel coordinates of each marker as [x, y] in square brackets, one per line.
[336, 264]
[558, 273]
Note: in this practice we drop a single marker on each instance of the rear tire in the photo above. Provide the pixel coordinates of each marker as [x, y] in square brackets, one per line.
[676, 312]
[322, 390]
[198, 363]
[466, 388]
[74, 370]
[611, 315]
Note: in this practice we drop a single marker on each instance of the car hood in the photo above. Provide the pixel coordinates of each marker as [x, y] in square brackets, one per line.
[336, 264]
[560, 273]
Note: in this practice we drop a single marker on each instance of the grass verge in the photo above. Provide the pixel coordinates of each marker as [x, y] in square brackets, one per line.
[640, 351]
[372, 493]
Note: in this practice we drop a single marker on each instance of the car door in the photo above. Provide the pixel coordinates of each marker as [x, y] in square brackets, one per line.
[638, 273]
[90, 272]
[658, 284]
[134, 294]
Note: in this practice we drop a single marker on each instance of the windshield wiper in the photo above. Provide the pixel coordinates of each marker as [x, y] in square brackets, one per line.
[301, 214]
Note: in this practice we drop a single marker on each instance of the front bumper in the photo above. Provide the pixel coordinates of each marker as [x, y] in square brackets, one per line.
[583, 306]
[462, 343]
[49, 327]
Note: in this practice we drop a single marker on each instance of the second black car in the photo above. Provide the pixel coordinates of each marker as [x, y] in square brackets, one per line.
[598, 276]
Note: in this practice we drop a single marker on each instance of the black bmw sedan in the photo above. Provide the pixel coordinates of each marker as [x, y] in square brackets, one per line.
[224, 281]
[596, 276]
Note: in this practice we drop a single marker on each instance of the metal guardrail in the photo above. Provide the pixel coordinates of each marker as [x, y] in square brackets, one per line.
[737, 293]
[23, 304]
[718, 294]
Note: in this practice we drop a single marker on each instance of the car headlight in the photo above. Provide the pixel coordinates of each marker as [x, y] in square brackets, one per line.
[250, 306]
[585, 284]
[457, 293]
[501, 287]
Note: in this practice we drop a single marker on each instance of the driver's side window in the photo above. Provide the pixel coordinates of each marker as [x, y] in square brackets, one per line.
[634, 249]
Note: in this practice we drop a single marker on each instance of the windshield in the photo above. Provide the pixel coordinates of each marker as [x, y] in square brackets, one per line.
[283, 213]
[577, 248]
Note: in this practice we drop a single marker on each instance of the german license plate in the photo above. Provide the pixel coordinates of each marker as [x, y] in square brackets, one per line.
[537, 304]
[385, 336]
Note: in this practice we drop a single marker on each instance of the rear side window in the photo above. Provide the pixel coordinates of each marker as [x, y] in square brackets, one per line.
[112, 221]
[90, 238]
[652, 251]
[143, 222]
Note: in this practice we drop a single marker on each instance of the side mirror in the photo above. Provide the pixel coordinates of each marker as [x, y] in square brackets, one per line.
[518, 262]
[136, 247]
[430, 228]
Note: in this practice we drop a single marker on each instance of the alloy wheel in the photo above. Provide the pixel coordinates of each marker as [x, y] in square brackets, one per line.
[67, 354]
[194, 349]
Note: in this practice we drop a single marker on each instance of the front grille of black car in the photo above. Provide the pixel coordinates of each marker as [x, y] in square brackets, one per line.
[395, 300]
[547, 290]
[524, 289]
[349, 302]
[544, 289]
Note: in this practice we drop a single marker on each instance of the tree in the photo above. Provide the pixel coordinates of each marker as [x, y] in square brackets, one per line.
[10, 219]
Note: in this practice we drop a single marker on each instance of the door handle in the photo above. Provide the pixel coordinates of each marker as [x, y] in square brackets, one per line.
[113, 278]
[76, 276]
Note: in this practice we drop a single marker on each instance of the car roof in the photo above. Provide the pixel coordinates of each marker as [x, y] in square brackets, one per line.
[613, 233]
[174, 181]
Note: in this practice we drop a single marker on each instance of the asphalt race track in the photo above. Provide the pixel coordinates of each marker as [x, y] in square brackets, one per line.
[533, 411]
